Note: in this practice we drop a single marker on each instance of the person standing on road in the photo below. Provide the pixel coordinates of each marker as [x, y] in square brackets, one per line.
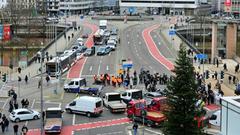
[26, 79]
[135, 127]
[24, 130]
[229, 79]
[39, 83]
[225, 66]
[217, 62]
[47, 79]
[15, 129]
[6, 122]
[2, 126]
[236, 68]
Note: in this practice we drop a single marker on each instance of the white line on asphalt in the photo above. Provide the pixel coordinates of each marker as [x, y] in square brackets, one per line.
[137, 54]
[73, 121]
[150, 67]
[5, 103]
[159, 43]
[90, 69]
[158, 133]
[60, 104]
[107, 68]
[99, 67]
[137, 35]
[140, 43]
[128, 42]
[129, 132]
[109, 54]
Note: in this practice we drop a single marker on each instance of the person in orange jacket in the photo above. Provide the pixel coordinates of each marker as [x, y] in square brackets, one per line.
[119, 81]
[113, 81]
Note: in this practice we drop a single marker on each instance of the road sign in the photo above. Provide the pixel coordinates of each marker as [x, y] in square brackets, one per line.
[202, 56]
[127, 64]
[172, 32]
[131, 9]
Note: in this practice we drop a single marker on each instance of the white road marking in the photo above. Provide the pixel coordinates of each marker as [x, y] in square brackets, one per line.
[109, 54]
[128, 42]
[107, 68]
[60, 104]
[90, 69]
[137, 54]
[129, 132]
[73, 121]
[99, 67]
[159, 43]
[140, 43]
[158, 133]
[5, 103]
[150, 67]
[137, 35]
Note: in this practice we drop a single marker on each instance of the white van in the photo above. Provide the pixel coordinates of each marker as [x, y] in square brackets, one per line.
[87, 105]
[132, 94]
[75, 84]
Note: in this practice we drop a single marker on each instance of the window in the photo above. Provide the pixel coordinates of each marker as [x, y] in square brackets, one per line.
[98, 104]
[76, 83]
[23, 112]
[73, 103]
[124, 94]
[71, 83]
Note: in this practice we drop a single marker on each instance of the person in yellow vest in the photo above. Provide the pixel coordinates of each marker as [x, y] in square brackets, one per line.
[119, 81]
[113, 81]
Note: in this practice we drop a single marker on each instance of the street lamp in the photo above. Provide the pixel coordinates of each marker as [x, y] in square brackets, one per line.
[41, 95]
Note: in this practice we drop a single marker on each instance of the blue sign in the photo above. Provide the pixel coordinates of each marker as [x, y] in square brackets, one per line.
[172, 32]
[131, 10]
[127, 64]
[1, 32]
[201, 56]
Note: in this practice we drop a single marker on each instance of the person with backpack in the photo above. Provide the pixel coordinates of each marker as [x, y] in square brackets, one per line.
[24, 130]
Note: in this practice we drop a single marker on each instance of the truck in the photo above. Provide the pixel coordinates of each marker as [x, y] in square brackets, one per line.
[132, 94]
[53, 120]
[137, 110]
[103, 24]
[113, 102]
[79, 85]
[90, 106]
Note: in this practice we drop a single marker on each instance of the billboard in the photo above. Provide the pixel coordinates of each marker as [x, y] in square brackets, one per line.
[1, 32]
[228, 5]
[6, 32]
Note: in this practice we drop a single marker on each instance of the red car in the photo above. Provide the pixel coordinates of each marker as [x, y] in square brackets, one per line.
[85, 36]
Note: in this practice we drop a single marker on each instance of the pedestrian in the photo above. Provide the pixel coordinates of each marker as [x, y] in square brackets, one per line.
[26, 103]
[217, 62]
[10, 107]
[236, 68]
[215, 74]
[26, 79]
[39, 83]
[51, 57]
[23, 103]
[15, 105]
[229, 79]
[225, 66]
[234, 79]
[47, 79]
[135, 127]
[24, 130]
[15, 129]
[6, 122]
[195, 59]
[209, 60]
[2, 126]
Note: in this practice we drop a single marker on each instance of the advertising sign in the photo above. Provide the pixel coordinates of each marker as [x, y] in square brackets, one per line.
[1, 32]
[228, 5]
[6, 32]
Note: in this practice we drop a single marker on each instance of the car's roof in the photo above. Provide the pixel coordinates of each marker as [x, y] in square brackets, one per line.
[21, 109]
[77, 79]
[89, 98]
[112, 93]
[54, 109]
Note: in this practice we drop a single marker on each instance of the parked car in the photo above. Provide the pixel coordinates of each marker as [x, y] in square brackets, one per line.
[88, 52]
[23, 114]
[85, 36]
[112, 44]
[107, 33]
[82, 49]
[103, 50]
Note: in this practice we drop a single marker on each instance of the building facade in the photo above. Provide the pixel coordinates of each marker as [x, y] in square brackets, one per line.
[178, 7]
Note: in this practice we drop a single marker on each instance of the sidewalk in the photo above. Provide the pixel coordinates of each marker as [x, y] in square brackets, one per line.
[141, 131]
[62, 44]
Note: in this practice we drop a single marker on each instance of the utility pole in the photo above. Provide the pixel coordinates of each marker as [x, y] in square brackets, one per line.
[41, 95]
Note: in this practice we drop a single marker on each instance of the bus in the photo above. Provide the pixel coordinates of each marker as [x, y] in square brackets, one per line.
[103, 24]
[98, 37]
[58, 65]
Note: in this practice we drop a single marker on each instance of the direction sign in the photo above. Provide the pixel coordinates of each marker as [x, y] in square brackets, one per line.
[131, 9]
[172, 32]
[202, 56]
[127, 64]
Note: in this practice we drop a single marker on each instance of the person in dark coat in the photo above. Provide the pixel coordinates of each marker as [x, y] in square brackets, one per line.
[2, 126]
[15, 129]
[6, 122]
[26, 79]
[24, 130]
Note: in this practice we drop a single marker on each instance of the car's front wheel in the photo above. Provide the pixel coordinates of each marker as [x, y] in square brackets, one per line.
[17, 120]
[35, 117]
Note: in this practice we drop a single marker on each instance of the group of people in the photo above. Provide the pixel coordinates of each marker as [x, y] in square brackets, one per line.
[25, 103]
[39, 57]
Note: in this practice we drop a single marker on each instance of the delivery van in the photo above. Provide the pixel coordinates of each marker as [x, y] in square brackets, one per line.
[75, 84]
[87, 105]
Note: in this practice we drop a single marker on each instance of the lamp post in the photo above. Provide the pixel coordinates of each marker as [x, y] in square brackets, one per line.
[41, 95]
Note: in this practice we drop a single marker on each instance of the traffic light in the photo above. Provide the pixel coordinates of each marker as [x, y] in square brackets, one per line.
[207, 74]
[4, 77]
[222, 74]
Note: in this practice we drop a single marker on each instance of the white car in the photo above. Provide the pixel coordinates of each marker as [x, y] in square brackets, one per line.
[24, 114]
[111, 44]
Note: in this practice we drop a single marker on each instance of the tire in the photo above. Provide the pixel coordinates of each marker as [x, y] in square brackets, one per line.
[69, 110]
[17, 120]
[35, 117]
[88, 114]
[150, 123]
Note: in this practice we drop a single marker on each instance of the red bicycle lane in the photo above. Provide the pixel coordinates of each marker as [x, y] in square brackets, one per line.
[152, 48]
[76, 70]
[67, 130]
